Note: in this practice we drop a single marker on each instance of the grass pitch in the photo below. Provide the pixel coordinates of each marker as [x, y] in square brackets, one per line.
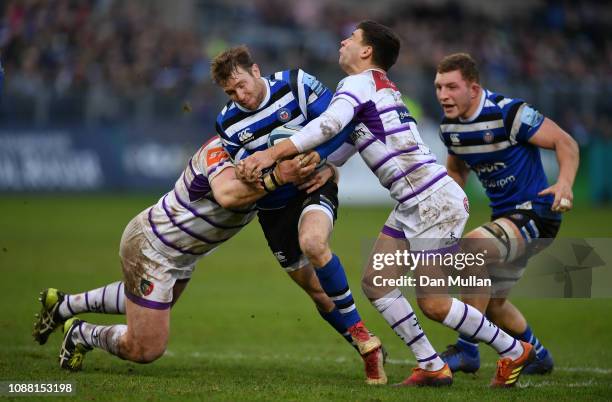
[244, 331]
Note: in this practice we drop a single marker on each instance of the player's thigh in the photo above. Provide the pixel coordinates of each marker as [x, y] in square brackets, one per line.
[500, 240]
[382, 269]
[151, 280]
[318, 214]
[148, 329]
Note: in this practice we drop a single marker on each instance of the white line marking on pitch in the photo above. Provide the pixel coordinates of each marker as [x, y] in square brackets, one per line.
[242, 356]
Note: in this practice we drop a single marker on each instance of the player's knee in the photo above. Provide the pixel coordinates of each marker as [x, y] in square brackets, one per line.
[148, 354]
[434, 308]
[315, 247]
[144, 351]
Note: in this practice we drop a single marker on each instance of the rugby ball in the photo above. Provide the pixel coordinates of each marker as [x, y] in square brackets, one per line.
[281, 133]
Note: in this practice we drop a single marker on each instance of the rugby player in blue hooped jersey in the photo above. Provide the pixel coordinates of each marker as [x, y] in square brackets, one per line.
[430, 213]
[499, 139]
[296, 223]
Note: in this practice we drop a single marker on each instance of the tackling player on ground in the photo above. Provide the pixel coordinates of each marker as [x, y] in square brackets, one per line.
[499, 139]
[159, 249]
[430, 213]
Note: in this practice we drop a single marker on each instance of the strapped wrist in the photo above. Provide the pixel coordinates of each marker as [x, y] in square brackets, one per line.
[268, 182]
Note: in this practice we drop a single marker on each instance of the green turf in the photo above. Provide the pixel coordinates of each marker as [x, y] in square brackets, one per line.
[242, 331]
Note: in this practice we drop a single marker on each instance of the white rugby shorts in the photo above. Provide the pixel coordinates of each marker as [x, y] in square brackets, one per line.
[436, 223]
[149, 276]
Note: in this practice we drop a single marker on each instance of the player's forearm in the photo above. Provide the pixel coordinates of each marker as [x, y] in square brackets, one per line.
[323, 128]
[568, 157]
[237, 194]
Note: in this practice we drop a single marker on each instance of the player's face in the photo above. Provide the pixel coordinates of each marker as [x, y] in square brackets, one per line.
[246, 88]
[351, 50]
[455, 94]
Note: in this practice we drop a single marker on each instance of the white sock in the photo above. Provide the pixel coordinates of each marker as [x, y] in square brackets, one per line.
[470, 322]
[399, 314]
[109, 299]
[100, 336]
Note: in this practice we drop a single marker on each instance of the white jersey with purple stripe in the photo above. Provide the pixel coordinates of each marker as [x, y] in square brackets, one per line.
[187, 223]
[387, 138]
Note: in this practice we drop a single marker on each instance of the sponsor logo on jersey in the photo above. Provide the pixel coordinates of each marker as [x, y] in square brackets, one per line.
[283, 114]
[215, 155]
[487, 137]
[454, 137]
[404, 114]
[358, 133]
[489, 167]
[466, 205]
[146, 287]
[499, 183]
[245, 135]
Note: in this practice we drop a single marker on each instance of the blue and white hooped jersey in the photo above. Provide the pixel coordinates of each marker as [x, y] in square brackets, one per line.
[494, 144]
[293, 97]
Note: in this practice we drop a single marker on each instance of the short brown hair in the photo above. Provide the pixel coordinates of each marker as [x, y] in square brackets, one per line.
[227, 63]
[462, 62]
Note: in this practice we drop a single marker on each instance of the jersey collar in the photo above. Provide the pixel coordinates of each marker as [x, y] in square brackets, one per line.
[483, 96]
[380, 70]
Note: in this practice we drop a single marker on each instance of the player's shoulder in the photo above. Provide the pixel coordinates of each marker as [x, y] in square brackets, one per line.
[501, 102]
[360, 84]
[358, 87]
[211, 153]
[362, 80]
[297, 76]
[228, 110]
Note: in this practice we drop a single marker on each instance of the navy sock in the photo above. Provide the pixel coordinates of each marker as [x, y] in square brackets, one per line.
[529, 336]
[334, 283]
[335, 319]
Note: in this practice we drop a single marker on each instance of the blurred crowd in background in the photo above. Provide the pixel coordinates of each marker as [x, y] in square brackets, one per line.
[100, 62]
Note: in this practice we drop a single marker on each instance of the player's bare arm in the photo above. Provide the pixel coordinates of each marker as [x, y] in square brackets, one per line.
[231, 192]
[551, 136]
[457, 169]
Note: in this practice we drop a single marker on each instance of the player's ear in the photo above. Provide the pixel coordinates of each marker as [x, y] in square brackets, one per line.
[255, 72]
[366, 52]
[474, 89]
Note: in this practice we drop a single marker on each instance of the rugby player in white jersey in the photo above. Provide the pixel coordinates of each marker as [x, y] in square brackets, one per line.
[159, 249]
[431, 209]
[499, 139]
